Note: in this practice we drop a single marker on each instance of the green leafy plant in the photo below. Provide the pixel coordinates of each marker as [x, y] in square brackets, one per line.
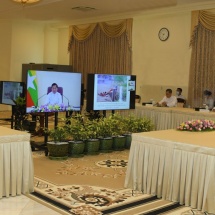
[92, 128]
[58, 134]
[106, 127]
[134, 124]
[19, 113]
[118, 126]
[76, 128]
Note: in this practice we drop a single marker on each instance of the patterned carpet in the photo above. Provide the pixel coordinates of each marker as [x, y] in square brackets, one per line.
[94, 185]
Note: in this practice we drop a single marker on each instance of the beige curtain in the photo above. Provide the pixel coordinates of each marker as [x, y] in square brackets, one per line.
[202, 66]
[101, 48]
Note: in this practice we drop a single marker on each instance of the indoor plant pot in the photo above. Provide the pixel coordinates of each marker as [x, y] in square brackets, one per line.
[77, 131]
[128, 139]
[92, 146]
[119, 143]
[58, 151]
[92, 143]
[106, 144]
[76, 148]
[105, 134]
[58, 147]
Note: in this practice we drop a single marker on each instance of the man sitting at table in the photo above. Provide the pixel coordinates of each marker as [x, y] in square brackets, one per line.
[208, 101]
[169, 100]
[179, 94]
[180, 98]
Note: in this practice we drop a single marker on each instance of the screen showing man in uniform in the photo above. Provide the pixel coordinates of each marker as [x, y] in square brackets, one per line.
[53, 91]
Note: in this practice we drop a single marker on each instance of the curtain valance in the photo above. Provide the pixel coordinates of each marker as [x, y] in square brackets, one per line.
[204, 17]
[111, 29]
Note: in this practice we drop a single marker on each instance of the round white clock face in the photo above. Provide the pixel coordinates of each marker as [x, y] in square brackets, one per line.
[163, 34]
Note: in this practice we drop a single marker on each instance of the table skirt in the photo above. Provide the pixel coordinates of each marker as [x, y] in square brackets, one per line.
[16, 165]
[175, 171]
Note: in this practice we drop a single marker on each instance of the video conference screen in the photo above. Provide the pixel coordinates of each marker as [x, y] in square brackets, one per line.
[110, 92]
[50, 91]
[10, 91]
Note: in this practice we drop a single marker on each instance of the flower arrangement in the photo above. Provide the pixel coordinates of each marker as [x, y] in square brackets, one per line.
[51, 108]
[197, 125]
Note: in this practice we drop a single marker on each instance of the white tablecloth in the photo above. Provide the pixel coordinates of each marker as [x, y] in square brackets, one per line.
[176, 165]
[16, 164]
[169, 118]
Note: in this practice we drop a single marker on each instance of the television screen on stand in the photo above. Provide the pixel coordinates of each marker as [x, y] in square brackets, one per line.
[53, 91]
[110, 92]
[10, 91]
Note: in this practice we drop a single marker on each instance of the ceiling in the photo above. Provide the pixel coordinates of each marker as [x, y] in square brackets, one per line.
[60, 10]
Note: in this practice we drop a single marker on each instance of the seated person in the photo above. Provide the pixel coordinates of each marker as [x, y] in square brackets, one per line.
[137, 99]
[209, 101]
[169, 100]
[180, 97]
[54, 97]
[179, 94]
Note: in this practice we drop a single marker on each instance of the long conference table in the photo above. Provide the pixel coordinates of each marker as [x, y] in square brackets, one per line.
[16, 163]
[174, 165]
[169, 118]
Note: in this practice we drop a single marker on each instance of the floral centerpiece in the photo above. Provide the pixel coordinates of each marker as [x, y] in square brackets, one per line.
[51, 108]
[197, 125]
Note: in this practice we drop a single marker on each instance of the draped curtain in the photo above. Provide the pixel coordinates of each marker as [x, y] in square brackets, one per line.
[202, 66]
[104, 48]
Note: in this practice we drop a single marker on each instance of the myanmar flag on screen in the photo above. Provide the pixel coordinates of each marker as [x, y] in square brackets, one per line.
[32, 89]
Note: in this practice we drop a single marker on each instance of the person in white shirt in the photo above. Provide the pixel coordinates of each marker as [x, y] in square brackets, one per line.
[54, 97]
[168, 100]
[208, 101]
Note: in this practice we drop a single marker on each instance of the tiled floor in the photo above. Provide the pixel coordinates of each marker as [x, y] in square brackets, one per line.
[22, 205]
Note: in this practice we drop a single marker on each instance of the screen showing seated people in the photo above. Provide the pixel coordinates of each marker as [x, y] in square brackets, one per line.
[11, 91]
[111, 92]
[53, 91]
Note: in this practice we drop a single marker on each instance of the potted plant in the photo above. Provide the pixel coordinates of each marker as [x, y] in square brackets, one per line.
[128, 125]
[105, 134]
[143, 125]
[20, 117]
[92, 143]
[118, 131]
[58, 147]
[77, 132]
[134, 124]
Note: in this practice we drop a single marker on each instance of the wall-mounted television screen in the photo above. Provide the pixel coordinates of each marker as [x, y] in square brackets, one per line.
[10, 91]
[110, 92]
[53, 91]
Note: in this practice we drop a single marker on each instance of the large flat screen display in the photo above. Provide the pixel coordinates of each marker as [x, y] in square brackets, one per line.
[10, 91]
[110, 92]
[53, 91]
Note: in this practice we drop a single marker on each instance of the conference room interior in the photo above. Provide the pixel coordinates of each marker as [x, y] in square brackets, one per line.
[157, 65]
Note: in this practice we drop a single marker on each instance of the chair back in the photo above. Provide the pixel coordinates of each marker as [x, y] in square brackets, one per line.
[180, 100]
[60, 90]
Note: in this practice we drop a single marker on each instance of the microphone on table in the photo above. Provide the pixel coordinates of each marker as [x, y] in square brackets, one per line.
[66, 99]
[40, 98]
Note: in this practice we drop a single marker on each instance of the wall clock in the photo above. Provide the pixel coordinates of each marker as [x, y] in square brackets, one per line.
[163, 34]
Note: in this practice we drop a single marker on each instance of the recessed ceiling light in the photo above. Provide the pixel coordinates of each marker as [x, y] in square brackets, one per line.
[26, 1]
[83, 8]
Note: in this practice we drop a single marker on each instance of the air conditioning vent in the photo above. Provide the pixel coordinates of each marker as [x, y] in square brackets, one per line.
[83, 8]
